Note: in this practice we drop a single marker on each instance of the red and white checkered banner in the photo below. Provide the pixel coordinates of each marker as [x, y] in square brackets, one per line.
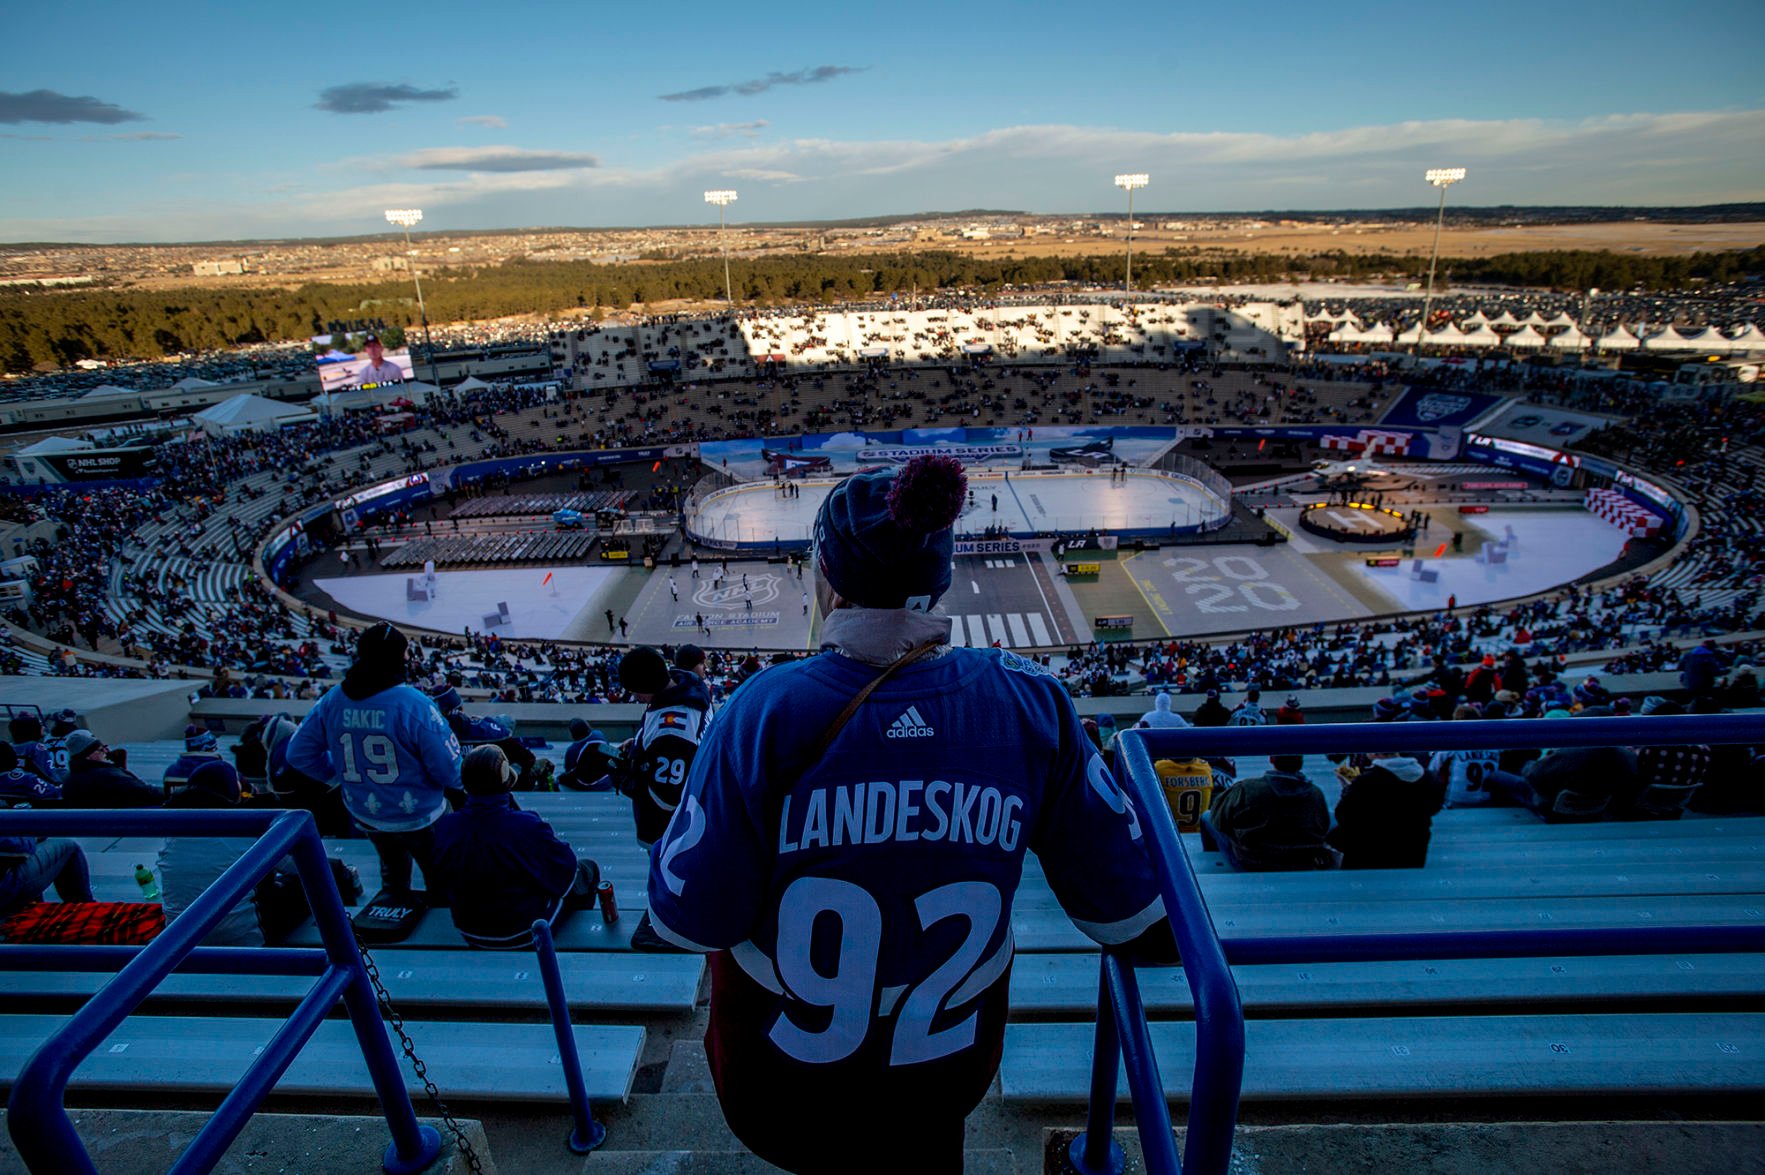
[1624, 514]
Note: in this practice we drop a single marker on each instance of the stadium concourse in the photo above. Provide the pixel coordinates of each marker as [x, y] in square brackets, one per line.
[149, 614]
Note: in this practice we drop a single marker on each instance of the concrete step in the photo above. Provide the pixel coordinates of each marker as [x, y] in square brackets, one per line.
[1472, 1148]
[147, 1142]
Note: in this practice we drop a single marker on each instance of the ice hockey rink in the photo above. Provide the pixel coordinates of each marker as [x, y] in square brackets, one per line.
[758, 513]
[463, 600]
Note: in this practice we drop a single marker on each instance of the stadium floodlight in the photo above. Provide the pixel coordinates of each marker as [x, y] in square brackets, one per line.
[1130, 183]
[404, 218]
[723, 198]
[1442, 178]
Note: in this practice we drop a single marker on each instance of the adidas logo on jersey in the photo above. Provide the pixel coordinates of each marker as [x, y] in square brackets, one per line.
[910, 725]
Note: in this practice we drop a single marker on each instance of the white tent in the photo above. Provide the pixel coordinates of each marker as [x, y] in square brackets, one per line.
[191, 383]
[1750, 338]
[1507, 319]
[1618, 339]
[1711, 340]
[1476, 320]
[1562, 319]
[1377, 333]
[248, 413]
[1410, 336]
[1526, 336]
[1569, 340]
[1667, 340]
[1481, 337]
[1533, 319]
[470, 384]
[54, 445]
[1447, 336]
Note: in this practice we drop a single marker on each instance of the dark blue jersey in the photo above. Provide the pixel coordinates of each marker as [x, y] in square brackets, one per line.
[868, 892]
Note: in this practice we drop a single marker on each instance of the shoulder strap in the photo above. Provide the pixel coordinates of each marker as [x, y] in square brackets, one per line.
[845, 716]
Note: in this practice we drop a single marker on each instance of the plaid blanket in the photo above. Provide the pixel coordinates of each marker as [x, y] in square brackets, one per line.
[85, 923]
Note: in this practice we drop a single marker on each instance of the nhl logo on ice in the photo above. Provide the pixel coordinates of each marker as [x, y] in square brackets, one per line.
[1438, 406]
[911, 725]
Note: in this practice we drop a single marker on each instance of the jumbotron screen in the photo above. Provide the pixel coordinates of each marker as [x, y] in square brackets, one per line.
[358, 361]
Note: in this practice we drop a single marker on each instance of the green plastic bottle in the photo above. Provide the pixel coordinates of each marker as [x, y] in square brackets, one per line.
[149, 886]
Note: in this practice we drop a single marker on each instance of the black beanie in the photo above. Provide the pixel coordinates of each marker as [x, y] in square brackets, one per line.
[882, 538]
[8, 757]
[381, 646]
[643, 671]
[578, 729]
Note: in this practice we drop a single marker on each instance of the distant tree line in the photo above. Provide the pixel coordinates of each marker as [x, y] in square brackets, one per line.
[56, 328]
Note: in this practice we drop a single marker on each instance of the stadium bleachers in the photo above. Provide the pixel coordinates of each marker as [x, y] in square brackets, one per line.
[1489, 869]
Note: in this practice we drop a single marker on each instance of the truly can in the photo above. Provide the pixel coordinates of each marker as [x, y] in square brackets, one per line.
[609, 903]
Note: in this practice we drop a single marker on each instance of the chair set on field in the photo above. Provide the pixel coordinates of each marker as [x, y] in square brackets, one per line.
[504, 505]
[491, 550]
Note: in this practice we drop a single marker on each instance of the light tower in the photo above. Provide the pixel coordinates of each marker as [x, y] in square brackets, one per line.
[1130, 183]
[1442, 178]
[723, 198]
[404, 218]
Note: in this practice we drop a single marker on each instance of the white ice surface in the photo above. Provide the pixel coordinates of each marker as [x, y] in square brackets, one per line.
[1065, 502]
[1554, 548]
[464, 598]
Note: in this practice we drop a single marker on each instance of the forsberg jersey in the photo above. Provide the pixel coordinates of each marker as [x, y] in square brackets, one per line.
[867, 895]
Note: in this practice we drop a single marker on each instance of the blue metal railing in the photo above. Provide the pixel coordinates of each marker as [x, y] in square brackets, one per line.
[1122, 1034]
[586, 1134]
[36, 1115]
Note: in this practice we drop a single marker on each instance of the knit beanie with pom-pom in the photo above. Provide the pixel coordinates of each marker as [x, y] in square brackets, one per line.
[883, 537]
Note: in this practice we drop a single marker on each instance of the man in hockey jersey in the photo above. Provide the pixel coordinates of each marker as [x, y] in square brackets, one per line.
[850, 840]
[479, 730]
[657, 759]
[200, 747]
[388, 747]
[21, 788]
[1249, 712]
[46, 759]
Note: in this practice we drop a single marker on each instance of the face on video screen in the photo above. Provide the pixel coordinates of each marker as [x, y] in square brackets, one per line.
[358, 361]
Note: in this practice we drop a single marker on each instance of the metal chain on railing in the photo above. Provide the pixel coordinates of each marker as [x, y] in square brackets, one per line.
[473, 1162]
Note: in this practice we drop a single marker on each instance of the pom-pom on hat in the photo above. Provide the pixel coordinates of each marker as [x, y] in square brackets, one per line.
[883, 539]
[643, 671]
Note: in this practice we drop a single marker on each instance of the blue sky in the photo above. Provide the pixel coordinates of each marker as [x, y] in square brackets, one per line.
[192, 122]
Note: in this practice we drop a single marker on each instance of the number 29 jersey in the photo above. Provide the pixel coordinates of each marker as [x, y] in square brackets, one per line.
[866, 897]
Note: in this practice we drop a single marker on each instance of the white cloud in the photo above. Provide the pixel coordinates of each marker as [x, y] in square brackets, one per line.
[489, 121]
[731, 130]
[494, 159]
[1677, 158]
